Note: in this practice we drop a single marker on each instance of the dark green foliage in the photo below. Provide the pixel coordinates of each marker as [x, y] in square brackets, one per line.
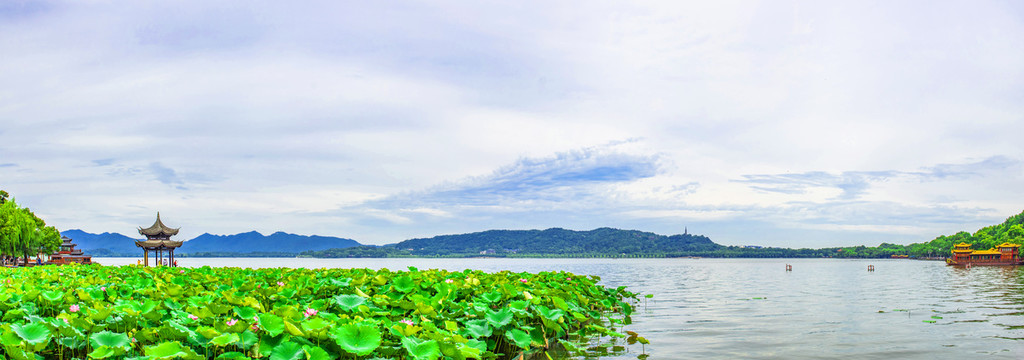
[557, 241]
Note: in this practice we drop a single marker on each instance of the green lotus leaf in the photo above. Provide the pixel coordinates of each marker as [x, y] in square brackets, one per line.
[225, 339]
[316, 353]
[101, 313]
[245, 312]
[472, 349]
[292, 329]
[171, 350]
[18, 353]
[421, 349]
[109, 339]
[233, 355]
[403, 283]
[34, 333]
[9, 338]
[272, 324]
[349, 302]
[360, 339]
[53, 296]
[519, 306]
[208, 332]
[103, 352]
[315, 324]
[491, 297]
[341, 282]
[560, 303]
[248, 339]
[519, 337]
[288, 351]
[499, 318]
[549, 314]
[477, 328]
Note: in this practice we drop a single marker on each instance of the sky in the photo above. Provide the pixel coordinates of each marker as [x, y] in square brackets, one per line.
[775, 123]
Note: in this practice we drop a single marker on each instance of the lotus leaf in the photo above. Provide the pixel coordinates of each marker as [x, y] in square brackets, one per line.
[403, 284]
[421, 349]
[225, 339]
[519, 337]
[499, 318]
[288, 351]
[272, 324]
[477, 328]
[109, 339]
[263, 313]
[171, 350]
[103, 352]
[34, 333]
[53, 296]
[316, 353]
[245, 312]
[349, 302]
[360, 339]
[315, 324]
[233, 355]
[549, 314]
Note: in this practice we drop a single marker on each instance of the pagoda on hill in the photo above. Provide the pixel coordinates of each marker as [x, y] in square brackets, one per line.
[158, 240]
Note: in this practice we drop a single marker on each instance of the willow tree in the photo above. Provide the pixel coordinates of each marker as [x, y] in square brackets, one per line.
[24, 234]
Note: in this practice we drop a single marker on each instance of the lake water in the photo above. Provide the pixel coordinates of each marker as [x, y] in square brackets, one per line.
[824, 308]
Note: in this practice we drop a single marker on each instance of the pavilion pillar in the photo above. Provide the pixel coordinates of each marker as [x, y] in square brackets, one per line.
[145, 255]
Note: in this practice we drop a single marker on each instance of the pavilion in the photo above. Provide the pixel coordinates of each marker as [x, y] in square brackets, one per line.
[158, 240]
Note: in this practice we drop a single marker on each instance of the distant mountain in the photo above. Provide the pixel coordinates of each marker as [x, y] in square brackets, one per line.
[105, 244]
[255, 242]
[114, 244]
[557, 241]
[550, 242]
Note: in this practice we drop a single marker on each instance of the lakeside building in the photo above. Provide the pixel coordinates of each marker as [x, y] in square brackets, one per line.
[1003, 254]
[68, 254]
[158, 240]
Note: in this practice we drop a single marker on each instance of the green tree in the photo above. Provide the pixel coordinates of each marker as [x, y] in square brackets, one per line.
[24, 234]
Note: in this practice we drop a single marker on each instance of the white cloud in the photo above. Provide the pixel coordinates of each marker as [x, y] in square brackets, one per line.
[379, 123]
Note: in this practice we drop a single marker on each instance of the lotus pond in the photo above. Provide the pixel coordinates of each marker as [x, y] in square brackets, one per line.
[132, 312]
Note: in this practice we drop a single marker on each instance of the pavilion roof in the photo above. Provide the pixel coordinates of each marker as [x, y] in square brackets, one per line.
[158, 243]
[158, 228]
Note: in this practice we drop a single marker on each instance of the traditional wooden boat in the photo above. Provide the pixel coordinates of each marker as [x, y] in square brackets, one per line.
[1004, 254]
[68, 254]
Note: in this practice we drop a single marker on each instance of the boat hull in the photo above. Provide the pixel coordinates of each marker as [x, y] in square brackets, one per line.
[952, 262]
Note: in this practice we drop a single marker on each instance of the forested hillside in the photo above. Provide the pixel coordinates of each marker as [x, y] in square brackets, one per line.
[1011, 231]
[557, 241]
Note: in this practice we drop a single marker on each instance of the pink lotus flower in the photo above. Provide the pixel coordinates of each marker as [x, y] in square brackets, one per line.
[103, 288]
[406, 321]
[73, 308]
[310, 312]
[280, 283]
[181, 271]
[449, 281]
[66, 321]
[522, 281]
[258, 286]
[193, 317]
[232, 322]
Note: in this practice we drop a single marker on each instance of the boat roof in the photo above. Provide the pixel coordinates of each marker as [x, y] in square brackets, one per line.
[986, 252]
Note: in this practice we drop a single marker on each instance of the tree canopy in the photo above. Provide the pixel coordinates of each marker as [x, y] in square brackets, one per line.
[22, 233]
